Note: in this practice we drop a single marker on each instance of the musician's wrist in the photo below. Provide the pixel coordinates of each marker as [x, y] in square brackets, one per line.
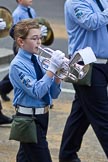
[57, 80]
[50, 73]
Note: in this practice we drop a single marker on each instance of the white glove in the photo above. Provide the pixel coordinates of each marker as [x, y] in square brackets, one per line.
[2, 24]
[44, 31]
[56, 61]
[65, 65]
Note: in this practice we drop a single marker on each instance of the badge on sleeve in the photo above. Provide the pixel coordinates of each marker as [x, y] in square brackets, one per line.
[25, 80]
[78, 13]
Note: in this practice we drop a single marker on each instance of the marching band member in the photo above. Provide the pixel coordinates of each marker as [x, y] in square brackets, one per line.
[86, 24]
[33, 88]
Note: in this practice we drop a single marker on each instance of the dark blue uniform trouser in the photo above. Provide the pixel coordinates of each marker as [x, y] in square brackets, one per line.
[39, 152]
[89, 107]
[5, 85]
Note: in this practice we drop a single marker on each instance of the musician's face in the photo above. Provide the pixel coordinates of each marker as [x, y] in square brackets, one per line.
[26, 2]
[32, 41]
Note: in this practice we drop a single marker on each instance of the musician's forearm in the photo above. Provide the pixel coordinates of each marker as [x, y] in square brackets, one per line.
[50, 74]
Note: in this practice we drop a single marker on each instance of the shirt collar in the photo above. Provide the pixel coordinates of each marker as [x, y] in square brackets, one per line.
[24, 7]
[25, 54]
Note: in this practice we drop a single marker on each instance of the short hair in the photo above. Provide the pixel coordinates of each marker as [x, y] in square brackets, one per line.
[22, 28]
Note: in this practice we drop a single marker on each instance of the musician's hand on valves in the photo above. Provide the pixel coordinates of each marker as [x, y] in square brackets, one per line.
[56, 61]
[44, 31]
[65, 65]
[2, 24]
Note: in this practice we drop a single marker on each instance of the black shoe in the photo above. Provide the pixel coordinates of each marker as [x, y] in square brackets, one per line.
[5, 97]
[5, 119]
[51, 106]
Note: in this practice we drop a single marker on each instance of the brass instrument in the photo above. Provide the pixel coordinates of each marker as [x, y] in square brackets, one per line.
[7, 17]
[73, 69]
[46, 40]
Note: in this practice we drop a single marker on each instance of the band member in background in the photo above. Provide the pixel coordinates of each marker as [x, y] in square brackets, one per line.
[86, 24]
[3, 118]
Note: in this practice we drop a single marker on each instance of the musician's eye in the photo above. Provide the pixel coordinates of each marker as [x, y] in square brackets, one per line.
[37, 37]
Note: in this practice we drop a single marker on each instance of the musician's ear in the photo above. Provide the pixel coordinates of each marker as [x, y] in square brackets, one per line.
[20, 42]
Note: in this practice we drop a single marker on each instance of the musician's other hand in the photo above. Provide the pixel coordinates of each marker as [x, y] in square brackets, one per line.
[66, 60]
[44, 31]
[2, 24]
[65, 67]
[56, 61]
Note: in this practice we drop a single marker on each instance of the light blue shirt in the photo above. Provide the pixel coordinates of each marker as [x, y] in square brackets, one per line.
[21, 13]
[28, 92]
[86, 26]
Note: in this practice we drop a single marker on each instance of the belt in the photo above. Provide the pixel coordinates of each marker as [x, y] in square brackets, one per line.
[101, 61]
[29, 111]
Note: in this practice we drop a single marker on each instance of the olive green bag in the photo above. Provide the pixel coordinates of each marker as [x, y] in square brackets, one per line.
[84, 81]
[23, 129]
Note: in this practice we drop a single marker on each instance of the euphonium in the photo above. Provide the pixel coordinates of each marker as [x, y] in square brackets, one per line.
[72, 68]
[46, 40]
[7, 17]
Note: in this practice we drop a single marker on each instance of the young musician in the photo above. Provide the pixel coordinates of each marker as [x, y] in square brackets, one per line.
[33, 87]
